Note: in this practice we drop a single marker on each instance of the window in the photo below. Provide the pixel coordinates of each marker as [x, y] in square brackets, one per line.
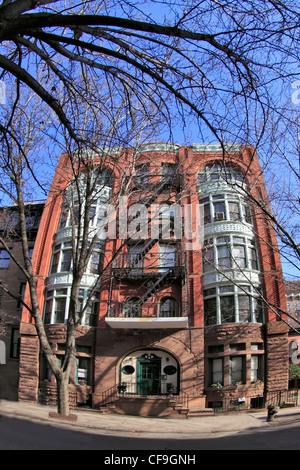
[167, 257]
[219, 211]
[217, 172]
[237, 347]
[230, 304]
[234, 211]
[15, 343]
[256, 368]
[239, 256]
[219, 207]
[237, 369]
[21, 294]
[83, 365]
[96, 262]
[4, 258]
[168, 172]
[55, 306]
[253, 258]
[142, 173]
[216, 371]
[60, 306]
[135, 258]
[166, 221]
[227, 309]
[224, 257]
[88, 305]
[210, 311]
[230, 252]
[66, 257]
[168, 307]
[132, 308]
[208, 259]
[219, 348]
[244, 308]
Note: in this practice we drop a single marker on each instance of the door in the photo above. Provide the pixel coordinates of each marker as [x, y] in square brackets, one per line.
[148, 378]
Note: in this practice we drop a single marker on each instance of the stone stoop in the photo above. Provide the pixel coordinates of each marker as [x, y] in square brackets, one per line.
[201, 412]
[138, 406]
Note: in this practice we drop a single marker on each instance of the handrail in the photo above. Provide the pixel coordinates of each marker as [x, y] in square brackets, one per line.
[149, 309]
[135, 389]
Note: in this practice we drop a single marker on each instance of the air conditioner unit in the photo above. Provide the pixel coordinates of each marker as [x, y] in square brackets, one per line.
[219, 216]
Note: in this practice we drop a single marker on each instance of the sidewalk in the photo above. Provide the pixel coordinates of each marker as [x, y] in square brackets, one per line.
[93, 422]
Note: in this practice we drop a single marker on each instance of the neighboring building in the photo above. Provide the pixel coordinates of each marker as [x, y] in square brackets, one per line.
[173, 317]
[12, 278]
[292, 289]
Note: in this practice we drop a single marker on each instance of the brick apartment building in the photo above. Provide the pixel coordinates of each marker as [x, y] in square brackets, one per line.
[13, 280]
[174, 316]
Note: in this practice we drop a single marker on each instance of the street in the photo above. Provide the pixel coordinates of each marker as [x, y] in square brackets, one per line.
[19, 434]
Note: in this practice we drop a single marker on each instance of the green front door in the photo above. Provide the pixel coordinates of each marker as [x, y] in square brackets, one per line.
[148, 379]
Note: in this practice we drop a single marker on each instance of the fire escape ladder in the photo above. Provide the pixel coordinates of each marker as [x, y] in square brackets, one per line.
[148, 246]
[157, 285]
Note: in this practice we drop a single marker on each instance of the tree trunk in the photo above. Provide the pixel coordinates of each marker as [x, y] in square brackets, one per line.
[63, 404]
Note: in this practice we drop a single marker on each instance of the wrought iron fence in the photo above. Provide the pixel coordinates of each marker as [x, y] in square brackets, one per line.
[136, 389]
[282, 398]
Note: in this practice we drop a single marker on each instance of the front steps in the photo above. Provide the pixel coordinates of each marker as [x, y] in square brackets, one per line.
[156, 407]
[140, 406]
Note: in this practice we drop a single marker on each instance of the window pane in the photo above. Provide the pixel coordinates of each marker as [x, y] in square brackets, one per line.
[224, 260]
[253, 259]
[142, 174]
[132, 308]
[4, 259]
[48, 311]
[210, 312]
[208, 260]
[83, 371]
[258, 311]
[239, 256]
[66, 261]
[217, 371]
[168, 308]
[236, 369]
[244, 309]
[219, 210]
[60, 307]
[255, 368]
[227, 309]
[234, 211]
[207, 216]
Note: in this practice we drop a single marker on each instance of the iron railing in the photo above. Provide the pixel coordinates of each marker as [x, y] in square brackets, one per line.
[147, 310]
[282, 398]
[131, 390]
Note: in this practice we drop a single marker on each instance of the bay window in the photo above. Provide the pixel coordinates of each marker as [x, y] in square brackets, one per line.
[232, 304]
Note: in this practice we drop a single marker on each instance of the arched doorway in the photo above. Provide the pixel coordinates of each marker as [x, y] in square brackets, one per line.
[149, 372]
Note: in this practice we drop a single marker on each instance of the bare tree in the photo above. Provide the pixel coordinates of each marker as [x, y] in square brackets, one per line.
[86, 179]
[222, 67]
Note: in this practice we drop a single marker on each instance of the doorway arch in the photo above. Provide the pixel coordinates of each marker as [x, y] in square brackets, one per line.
[150, 372]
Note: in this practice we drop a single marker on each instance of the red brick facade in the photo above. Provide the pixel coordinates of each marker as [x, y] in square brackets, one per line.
[164, 336]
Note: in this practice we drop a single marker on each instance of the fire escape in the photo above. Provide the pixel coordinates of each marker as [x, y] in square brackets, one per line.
[146, 272]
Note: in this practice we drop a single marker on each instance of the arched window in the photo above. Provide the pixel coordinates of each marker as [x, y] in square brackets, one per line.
[168, 307]
[132, 308]
[216, 172]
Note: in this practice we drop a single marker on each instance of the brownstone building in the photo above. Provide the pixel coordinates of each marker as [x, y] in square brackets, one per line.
[12, 289]
[189, 310]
